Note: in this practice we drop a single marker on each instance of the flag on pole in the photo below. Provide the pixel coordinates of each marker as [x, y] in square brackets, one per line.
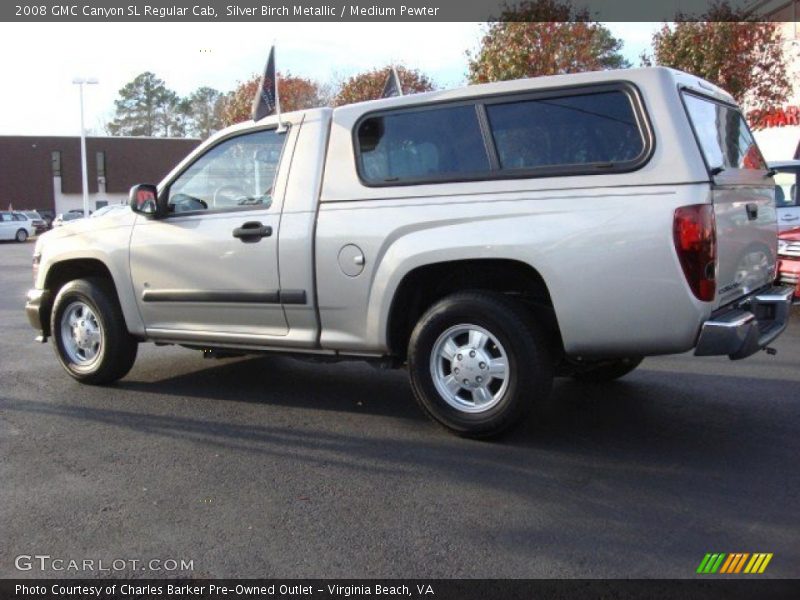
[265, 100]
[393, 87]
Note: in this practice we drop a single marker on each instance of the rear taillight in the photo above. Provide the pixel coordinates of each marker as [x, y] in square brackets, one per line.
[695, 237]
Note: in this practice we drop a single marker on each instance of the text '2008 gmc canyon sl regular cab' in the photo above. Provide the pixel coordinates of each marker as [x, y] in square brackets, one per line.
[490, 237]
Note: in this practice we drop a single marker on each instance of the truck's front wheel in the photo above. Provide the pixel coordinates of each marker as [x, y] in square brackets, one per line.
[478, 363]
[89, 333]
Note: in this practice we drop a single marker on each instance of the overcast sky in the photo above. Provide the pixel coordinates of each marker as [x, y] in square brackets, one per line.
[41, 59]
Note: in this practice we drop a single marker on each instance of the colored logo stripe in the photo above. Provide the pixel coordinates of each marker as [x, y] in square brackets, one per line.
[734, 563]
[710, 563]
[741, 562]
[758, 563]
[727, 564]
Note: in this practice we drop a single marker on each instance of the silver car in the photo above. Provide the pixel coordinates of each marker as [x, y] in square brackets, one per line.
[15, 226]
[787, 174]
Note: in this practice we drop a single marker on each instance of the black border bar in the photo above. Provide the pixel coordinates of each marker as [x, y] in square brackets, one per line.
[277, 11]
[706, 588]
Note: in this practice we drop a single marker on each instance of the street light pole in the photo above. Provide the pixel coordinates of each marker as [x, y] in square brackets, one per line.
[80, 82]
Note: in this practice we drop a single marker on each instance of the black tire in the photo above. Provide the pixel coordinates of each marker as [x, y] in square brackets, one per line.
[21, 236]
[529, 374]
[608, 370]
[117, 349]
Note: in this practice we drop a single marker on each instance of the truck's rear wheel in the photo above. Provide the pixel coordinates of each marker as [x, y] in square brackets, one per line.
[607, 370]
[478, 363]
[89, 333]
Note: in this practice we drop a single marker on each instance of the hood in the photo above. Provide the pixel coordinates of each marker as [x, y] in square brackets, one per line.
[117, 218]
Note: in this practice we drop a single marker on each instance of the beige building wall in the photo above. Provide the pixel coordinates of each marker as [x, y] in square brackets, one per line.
[781, 143]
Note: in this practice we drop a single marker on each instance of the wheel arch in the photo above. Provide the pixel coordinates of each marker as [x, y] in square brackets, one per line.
[425, 285]
[63, 271]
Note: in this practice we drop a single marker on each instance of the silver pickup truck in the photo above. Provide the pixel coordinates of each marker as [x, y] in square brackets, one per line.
[489, 238]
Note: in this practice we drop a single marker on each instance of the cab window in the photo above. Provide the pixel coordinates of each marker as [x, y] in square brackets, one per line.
[238, 173]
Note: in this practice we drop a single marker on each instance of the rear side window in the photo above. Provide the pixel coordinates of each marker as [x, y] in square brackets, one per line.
[723, 134]
[434, 144]
[586, 130]
[597, 128]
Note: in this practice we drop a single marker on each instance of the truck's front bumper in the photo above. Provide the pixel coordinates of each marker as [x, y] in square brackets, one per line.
[747, 326]
[36, 309]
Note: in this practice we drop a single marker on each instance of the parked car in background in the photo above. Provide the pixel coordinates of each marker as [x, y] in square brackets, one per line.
[787, 174]
[789, 260]
[39, 224]
[111, 208]
[48, 216]
[15, 226]
[66, 217]
[22, 215]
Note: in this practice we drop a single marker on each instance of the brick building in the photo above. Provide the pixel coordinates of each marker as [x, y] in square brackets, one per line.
[45, 172]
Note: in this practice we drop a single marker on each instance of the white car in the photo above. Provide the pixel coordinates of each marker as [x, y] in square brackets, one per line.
[787, 199]
[15, 226]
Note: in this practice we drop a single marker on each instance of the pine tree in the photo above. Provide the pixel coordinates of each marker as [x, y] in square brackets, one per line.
[146, 107]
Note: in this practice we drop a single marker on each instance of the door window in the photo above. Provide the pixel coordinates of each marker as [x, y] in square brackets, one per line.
[238, 173]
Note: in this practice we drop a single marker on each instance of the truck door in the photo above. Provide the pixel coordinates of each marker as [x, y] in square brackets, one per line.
[208, 270]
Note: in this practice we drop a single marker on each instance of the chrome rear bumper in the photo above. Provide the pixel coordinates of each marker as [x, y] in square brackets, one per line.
[747, 326]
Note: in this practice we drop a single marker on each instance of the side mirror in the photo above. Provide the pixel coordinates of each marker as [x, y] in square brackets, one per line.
[144, 199]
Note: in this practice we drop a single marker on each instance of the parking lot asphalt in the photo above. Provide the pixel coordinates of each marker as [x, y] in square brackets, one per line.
[271, 467]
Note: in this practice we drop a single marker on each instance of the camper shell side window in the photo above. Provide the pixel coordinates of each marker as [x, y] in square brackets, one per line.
[573, 131]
